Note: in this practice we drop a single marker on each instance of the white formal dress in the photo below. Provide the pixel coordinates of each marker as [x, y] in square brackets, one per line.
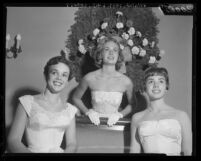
[106, 103]
[45, 129]
[161, 136]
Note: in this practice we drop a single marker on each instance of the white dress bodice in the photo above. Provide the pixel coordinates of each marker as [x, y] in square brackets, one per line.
[105, 102]
[45, 129]
[161, 136]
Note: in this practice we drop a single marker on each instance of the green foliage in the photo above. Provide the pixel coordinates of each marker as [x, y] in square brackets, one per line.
[89, 18]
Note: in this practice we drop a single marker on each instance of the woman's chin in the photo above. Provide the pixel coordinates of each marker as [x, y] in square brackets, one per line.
[56, 90]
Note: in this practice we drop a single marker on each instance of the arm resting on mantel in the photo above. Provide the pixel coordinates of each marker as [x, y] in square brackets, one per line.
[103, 121]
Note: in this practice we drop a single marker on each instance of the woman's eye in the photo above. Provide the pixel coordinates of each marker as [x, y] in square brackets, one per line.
[162, 81]
[116, 50]
[53, 73]
[65, 75]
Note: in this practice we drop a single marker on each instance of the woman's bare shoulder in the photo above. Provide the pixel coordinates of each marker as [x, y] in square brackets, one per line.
[37, 96]
[177, 111]
[125, 78]
[91, 75]
[138, 116]
[180, 115]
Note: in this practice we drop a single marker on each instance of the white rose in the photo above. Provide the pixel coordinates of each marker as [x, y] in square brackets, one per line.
[142, 52]
[144, 42]
[96, 31]
[82, 49]
[152, 44]
[162, 52]
[125, 36]
[131, 31]
[135, 50]
[121, 47]
[119, 25]
[80, 41]
[104, 25]
[100, 38]
[119, 13]
[130, 42]
[152, 59]
[138, 33]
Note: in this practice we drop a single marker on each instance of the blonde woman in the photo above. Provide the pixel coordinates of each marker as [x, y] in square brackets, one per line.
[106, 84]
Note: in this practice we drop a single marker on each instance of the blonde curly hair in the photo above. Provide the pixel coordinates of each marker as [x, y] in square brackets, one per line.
[99, 49]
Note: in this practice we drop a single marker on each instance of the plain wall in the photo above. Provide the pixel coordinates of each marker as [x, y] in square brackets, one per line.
[44, 32]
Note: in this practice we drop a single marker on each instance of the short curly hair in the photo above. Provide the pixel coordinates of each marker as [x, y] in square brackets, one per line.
[55, 60]
[98, 52]
[157, 71]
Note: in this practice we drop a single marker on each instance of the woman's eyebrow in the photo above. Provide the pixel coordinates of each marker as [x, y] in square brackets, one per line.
[53, 70]
[149, 78]
[66, 72]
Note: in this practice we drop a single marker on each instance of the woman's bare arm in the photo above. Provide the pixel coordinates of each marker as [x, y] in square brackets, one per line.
[129, 93]
[15, 144]
[71, 141]
[186, 145]
[135, 145]
[79, 92]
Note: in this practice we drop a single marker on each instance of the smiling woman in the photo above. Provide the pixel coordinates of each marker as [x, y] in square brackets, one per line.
[106, 84]
[160, 128]
[45, 117]
[44, 32]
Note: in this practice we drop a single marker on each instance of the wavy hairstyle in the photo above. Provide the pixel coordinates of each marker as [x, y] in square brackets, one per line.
[100, 47]
[55, 60]
[157, 71]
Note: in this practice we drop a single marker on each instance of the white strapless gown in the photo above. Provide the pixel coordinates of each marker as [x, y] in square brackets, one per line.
[106, 103]
[45, 129]
[161, 136]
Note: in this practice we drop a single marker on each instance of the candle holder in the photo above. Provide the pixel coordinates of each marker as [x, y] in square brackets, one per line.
[15, 49]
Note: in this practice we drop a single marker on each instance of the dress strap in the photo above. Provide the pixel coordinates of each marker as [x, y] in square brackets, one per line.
[26, 102]
[72, 110]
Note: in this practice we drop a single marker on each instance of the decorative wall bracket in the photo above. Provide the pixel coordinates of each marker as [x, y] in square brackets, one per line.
[15, 49]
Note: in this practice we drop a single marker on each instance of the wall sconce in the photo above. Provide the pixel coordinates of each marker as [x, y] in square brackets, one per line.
[14, 50]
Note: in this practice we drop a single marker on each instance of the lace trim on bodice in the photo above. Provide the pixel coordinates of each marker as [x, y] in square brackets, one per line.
[161, 135]
[42, 118]
[105, 101]
[45, 129]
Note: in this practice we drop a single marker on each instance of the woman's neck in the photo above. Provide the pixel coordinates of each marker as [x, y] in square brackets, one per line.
[157, 105]
[51, 97]
[108, 69]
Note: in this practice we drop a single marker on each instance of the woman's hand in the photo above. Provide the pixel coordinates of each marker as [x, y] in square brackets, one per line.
[113, 118]
[93, 116]
[78, 113]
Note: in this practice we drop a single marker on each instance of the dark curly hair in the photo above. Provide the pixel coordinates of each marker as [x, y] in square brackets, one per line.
[98, 52]
[157, 71]
[55, 60]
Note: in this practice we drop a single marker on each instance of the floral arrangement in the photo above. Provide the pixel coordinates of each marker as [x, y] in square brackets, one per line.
[135, 29]
[128, 37]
